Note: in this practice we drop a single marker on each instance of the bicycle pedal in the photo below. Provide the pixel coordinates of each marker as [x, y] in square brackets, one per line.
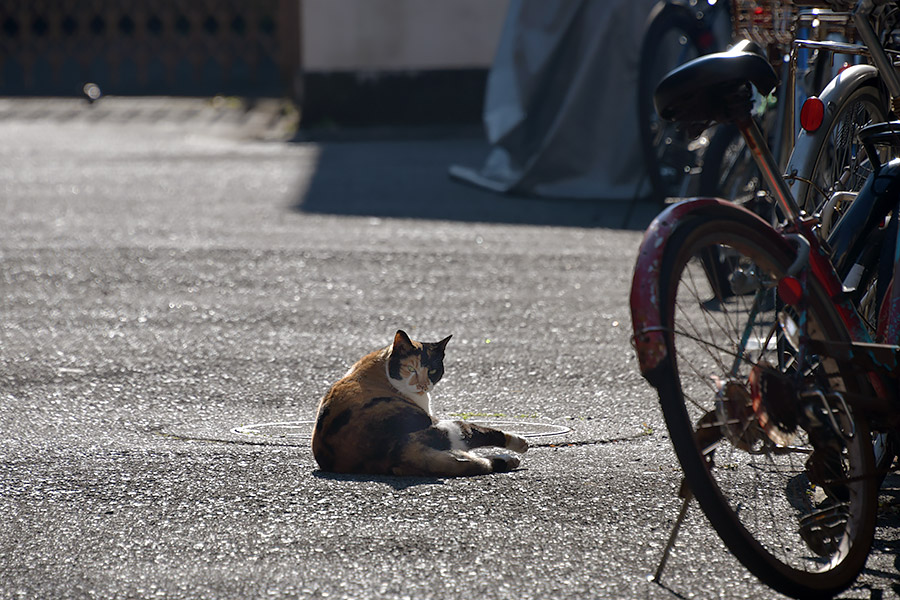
[823, 529]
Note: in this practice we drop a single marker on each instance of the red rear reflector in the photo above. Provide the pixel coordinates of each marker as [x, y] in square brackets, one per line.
[790, 291]
[812, 114]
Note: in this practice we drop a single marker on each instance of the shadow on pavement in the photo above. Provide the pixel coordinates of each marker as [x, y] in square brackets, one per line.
[398, 483]
[409, 179]
[888, 519]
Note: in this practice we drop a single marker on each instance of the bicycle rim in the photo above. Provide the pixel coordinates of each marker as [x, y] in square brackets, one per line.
[800, 532]
[841, 165]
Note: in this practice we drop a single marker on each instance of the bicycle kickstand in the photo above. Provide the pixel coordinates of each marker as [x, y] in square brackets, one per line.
[686, 495]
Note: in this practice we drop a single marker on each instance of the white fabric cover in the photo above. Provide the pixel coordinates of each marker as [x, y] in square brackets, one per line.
[561, 107]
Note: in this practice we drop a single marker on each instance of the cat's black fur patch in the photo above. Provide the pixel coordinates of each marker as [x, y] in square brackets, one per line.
[338, 422]
[325, 458]
[401, 424]
[381, 448]
[500, 465]
[394, 368]
[323, 414]
[436, 438]
[376, 401]
[435, 366]
[477, 436]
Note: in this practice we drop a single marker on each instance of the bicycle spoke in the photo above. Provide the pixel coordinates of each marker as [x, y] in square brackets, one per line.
[728, 334]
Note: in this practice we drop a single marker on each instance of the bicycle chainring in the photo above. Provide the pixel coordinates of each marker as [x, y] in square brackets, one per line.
[775, 403]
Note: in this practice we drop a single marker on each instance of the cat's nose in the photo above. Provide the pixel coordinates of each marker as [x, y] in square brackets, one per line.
[421, 380]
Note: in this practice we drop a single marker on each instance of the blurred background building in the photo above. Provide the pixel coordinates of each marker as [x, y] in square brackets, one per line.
[552, 81]
[398, 61]
[346, 61]
[152, 47]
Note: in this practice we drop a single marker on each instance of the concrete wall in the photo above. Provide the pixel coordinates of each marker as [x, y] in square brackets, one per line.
[397, 35]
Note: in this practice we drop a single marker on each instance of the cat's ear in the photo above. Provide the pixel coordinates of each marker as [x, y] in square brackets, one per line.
[401, 341]
[442, 344]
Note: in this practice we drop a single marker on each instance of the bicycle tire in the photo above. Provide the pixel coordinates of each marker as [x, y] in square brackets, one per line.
[839, 165]
[673, 36]
[729, 170]
[765, 507]
[884, 445]
[867, 300]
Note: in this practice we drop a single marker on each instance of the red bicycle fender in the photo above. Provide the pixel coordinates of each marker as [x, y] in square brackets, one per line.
[646, 304]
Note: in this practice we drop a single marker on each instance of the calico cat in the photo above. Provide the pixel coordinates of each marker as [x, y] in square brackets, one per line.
[377, 420]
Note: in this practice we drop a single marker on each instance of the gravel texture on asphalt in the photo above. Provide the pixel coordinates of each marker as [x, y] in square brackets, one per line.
[167, 280]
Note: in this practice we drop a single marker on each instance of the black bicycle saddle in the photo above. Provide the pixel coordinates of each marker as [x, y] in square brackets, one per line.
[706, 88]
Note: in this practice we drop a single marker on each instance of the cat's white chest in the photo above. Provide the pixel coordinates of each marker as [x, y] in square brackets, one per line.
[426, 402]
[423, 400]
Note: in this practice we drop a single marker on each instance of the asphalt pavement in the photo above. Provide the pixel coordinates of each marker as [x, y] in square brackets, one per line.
[181, 282]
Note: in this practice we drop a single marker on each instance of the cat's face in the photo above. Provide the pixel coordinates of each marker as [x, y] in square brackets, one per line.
[414, 367]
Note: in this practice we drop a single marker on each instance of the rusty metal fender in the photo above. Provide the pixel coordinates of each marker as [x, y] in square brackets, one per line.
[646, 296]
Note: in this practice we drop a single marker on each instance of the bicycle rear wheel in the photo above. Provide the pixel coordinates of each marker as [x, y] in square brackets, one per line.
[782, 470]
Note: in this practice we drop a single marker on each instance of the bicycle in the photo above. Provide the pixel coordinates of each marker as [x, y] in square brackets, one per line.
[824, 164]
[828, 165]
[676, 32]
[716, 162]
[770, 382]
[779, 29]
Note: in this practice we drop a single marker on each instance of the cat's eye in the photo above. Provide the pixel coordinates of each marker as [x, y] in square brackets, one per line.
[432, 371]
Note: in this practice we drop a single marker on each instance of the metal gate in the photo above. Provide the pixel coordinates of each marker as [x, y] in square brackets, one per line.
[153, 47]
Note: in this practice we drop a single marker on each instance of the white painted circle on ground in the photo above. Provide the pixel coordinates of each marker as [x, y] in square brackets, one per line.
[302, 430]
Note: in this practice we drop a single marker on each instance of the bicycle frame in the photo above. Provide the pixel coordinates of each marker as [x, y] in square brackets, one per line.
[804, 257]
[880, 360]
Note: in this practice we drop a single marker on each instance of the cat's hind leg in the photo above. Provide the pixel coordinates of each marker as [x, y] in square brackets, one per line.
[427, 461]
[465, 435]
[442, 450]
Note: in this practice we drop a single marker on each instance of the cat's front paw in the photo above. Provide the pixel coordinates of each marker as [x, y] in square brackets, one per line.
[516, 443]
[502, 463]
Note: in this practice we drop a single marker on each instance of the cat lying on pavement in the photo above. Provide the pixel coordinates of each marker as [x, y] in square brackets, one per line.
[377, 420]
